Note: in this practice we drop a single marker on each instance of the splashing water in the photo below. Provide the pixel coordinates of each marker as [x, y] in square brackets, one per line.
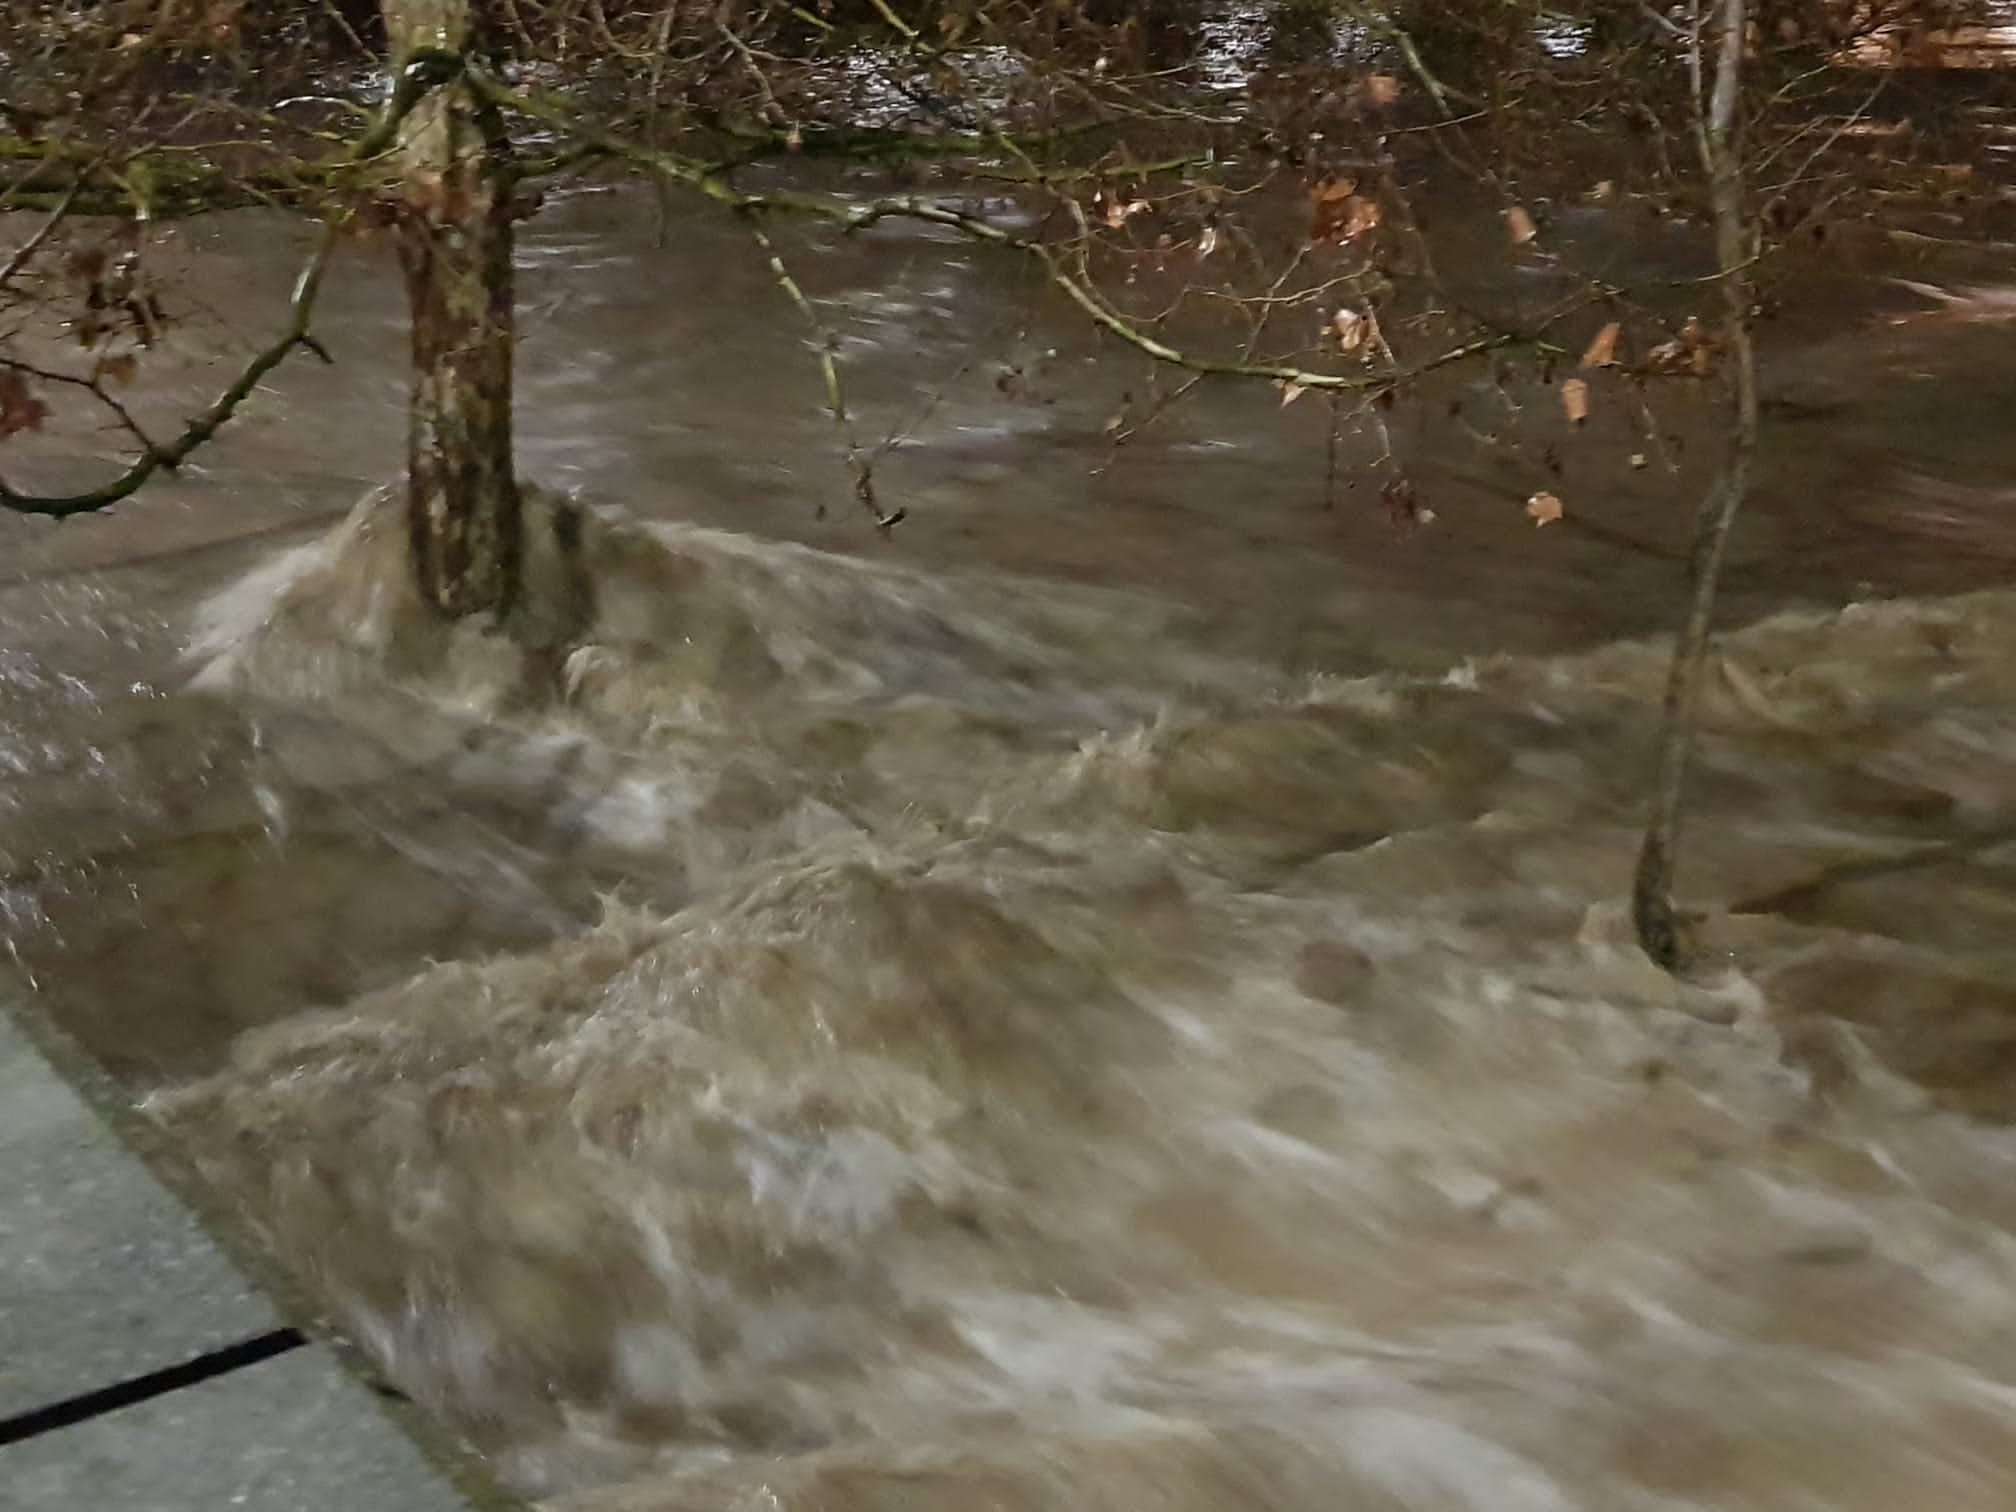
[1038, 1058]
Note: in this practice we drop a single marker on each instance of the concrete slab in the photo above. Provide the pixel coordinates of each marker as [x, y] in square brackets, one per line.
[109, 1273]
[289, 1435]
[103, 1273]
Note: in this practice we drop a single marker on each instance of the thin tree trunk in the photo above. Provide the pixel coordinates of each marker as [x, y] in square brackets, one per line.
[455, 244]
[1652, 907]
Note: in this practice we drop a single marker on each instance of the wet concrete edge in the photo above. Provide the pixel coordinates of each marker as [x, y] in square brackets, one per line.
[464, 1471]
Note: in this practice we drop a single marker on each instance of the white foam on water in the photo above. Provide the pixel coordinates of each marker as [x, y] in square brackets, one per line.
[1069, 1072]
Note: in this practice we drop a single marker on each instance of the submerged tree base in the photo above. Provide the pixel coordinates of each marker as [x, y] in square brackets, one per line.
[1658, 921]
[348, 610]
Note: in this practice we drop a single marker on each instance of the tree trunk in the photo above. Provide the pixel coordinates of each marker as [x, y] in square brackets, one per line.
[455, 244]
[1717, 121]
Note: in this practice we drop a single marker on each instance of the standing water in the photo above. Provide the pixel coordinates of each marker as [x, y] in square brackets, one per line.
[1110, 998]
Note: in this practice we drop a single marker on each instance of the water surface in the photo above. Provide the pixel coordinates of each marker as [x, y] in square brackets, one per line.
[1108, 996]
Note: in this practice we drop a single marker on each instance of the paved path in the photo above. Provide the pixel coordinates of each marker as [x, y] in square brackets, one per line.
[140, 1370]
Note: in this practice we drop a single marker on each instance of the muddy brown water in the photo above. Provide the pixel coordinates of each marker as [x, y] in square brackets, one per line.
[1110, 996]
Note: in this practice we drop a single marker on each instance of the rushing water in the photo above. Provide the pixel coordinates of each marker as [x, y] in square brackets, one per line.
[1111, 997]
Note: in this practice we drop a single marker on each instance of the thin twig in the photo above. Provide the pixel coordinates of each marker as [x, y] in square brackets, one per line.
[1074, 284]
[93, 385]
[27, 251]
[206, 424]
[859, 464]
[417, 80]
[896, 22]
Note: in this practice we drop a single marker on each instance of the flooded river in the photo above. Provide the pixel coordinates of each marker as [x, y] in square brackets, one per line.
[1110, 996]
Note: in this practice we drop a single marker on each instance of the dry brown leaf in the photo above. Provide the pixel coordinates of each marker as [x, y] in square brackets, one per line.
[1290, 391]
[1693, 352]
[1351, 328]
[1116, 212]
[1701, 348]
[1337, 212]
[1575, 400]
[1519, 225]
[19, 408]
[1602, 349]
[117, 369]
[1381, 90]
[1543, 509]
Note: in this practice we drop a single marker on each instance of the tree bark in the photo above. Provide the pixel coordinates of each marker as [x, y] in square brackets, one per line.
[455, 245]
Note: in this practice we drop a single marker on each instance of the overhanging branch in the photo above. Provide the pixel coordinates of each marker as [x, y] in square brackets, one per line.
[421, 76]
[203, 426]
[714, 184]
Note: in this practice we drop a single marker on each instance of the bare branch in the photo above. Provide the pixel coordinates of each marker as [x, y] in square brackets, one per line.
[94, 385]
[1377, 20]
[27, 251]
[418, 79]
[206, 424]
[908, 32]
[1074, 285]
